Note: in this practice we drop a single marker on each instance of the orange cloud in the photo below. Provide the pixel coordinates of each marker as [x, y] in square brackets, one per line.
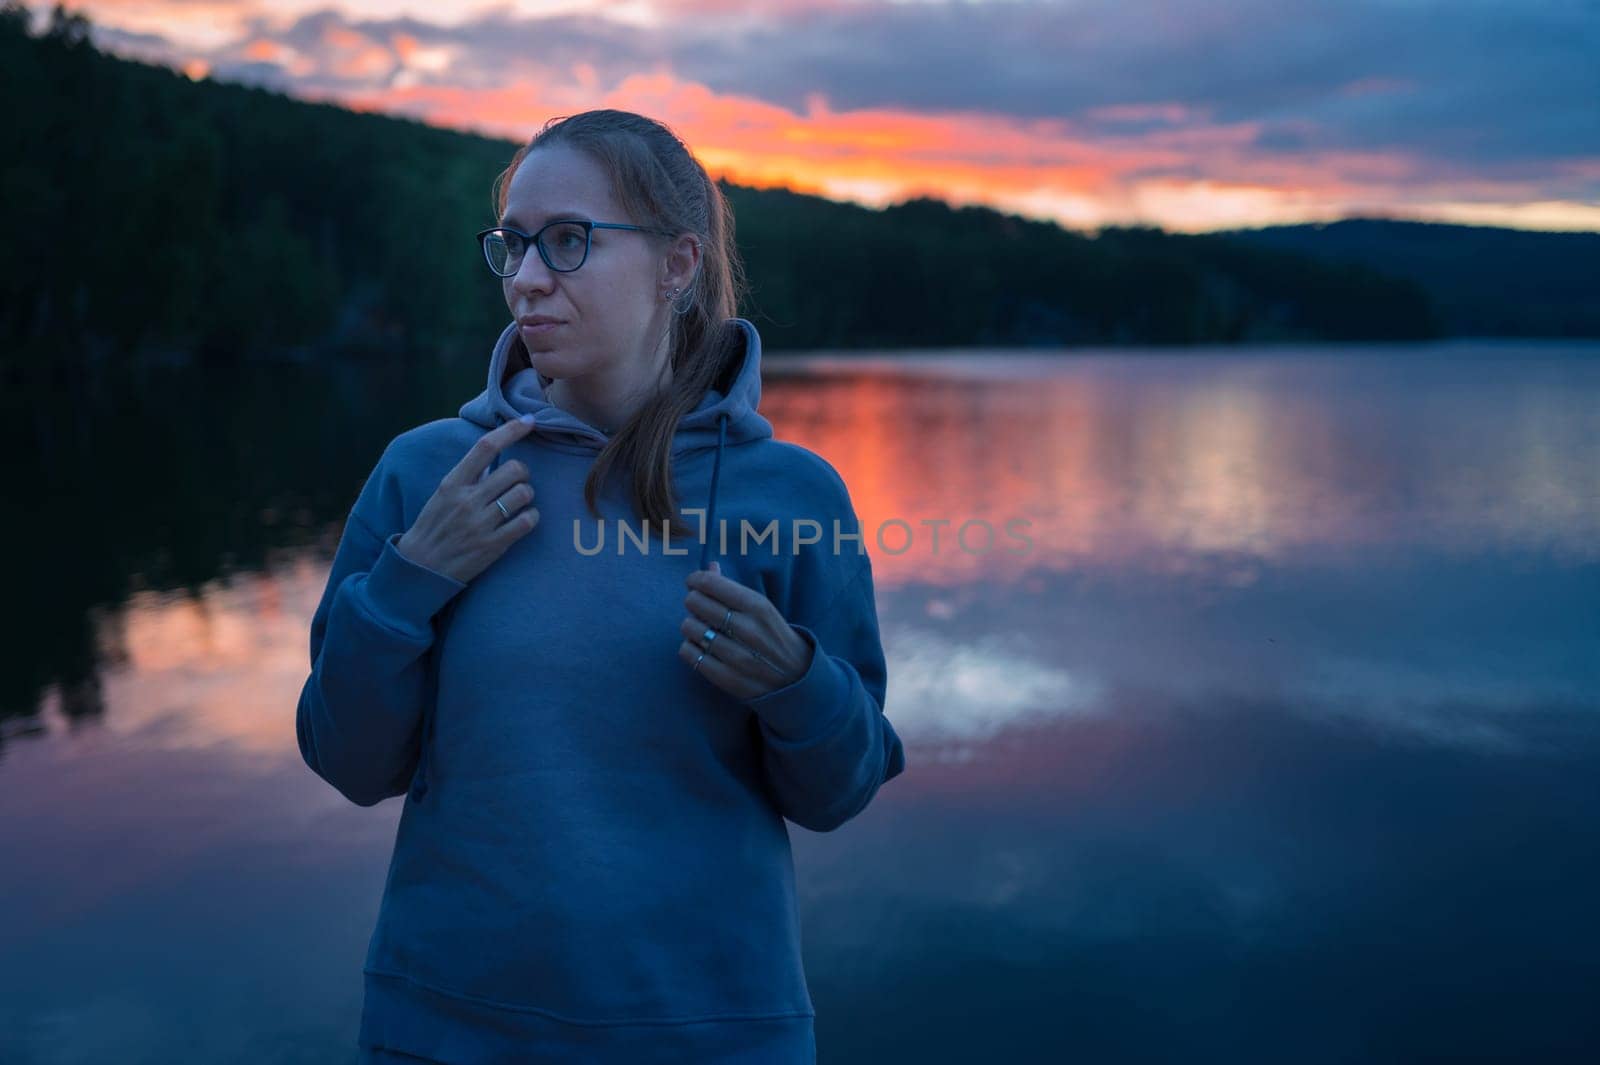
[265, 50]
[335, 36]
[882, 153]
[405, 46]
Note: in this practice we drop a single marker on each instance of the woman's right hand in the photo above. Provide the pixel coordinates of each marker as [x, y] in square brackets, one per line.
[460, 531]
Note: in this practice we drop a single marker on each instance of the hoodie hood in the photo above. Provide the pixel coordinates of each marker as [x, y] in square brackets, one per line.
[719, 419]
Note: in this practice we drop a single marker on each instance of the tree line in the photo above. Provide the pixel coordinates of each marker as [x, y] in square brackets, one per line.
[151, 217]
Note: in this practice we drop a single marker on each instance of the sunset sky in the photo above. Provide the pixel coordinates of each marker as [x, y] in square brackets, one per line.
[1187, 115]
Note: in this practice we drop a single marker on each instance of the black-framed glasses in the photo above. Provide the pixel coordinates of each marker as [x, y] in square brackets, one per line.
[563, 244]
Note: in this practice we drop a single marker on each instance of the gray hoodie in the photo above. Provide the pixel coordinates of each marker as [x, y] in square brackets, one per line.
[592, 863]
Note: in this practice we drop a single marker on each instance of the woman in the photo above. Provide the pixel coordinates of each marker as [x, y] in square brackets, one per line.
[599, 747]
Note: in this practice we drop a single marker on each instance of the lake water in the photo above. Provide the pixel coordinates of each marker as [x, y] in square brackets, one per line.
[1279, 742]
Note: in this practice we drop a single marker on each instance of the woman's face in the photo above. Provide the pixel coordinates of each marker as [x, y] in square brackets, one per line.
[612, 311]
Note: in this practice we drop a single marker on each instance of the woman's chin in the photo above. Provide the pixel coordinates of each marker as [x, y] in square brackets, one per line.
[548, 362]
[551, 366]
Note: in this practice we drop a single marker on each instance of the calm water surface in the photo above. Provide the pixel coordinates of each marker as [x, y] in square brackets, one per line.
[1280, 743]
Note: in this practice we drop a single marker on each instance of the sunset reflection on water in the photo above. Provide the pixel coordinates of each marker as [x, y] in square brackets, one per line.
[1304, 638]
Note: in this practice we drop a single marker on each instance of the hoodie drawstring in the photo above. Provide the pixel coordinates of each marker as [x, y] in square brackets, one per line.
[711, 502]
[419, 781]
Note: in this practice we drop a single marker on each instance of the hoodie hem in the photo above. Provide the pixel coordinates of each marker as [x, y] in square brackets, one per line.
[403, 1013]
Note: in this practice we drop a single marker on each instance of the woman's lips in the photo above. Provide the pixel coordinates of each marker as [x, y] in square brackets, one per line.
[542, 327]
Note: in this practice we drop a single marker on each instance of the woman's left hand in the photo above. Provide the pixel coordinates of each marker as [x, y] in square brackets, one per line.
[753, 650]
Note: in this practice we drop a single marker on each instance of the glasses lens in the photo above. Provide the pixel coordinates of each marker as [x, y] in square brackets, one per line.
[565, 243]
[504, 251]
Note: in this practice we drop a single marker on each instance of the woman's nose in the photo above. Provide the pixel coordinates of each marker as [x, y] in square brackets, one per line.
[532, 274]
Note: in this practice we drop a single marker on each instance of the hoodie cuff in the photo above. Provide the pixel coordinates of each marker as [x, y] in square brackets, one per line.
[405, 594]
[811, 706]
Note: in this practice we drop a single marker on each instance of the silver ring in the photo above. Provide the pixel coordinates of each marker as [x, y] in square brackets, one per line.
[725, 619]
[698, 660]
[708, 636]
[503, 509]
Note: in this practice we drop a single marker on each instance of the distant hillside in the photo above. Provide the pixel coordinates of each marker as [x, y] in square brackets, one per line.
[1484, 281]
[924, 273]
[149, 217]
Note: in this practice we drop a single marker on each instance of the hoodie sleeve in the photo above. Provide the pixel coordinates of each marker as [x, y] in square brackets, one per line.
[360, 715]
[826, 745]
